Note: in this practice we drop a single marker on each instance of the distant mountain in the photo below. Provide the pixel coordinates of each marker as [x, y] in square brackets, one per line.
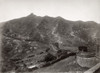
[52, 29]
[35, 35]
[28, 27]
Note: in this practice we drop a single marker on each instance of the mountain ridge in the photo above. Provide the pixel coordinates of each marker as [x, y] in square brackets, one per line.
[46, 24]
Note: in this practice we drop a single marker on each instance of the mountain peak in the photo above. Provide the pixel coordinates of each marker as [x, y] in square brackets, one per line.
[31, 15]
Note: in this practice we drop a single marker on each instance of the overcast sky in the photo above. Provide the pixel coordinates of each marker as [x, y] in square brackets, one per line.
[86, 10]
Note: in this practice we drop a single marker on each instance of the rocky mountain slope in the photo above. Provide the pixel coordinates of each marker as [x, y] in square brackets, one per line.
[27, 39]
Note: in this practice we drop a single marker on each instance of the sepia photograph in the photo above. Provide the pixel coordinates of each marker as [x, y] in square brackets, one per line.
[49, 36]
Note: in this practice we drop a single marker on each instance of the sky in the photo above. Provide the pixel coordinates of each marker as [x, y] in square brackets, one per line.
[86, 10]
